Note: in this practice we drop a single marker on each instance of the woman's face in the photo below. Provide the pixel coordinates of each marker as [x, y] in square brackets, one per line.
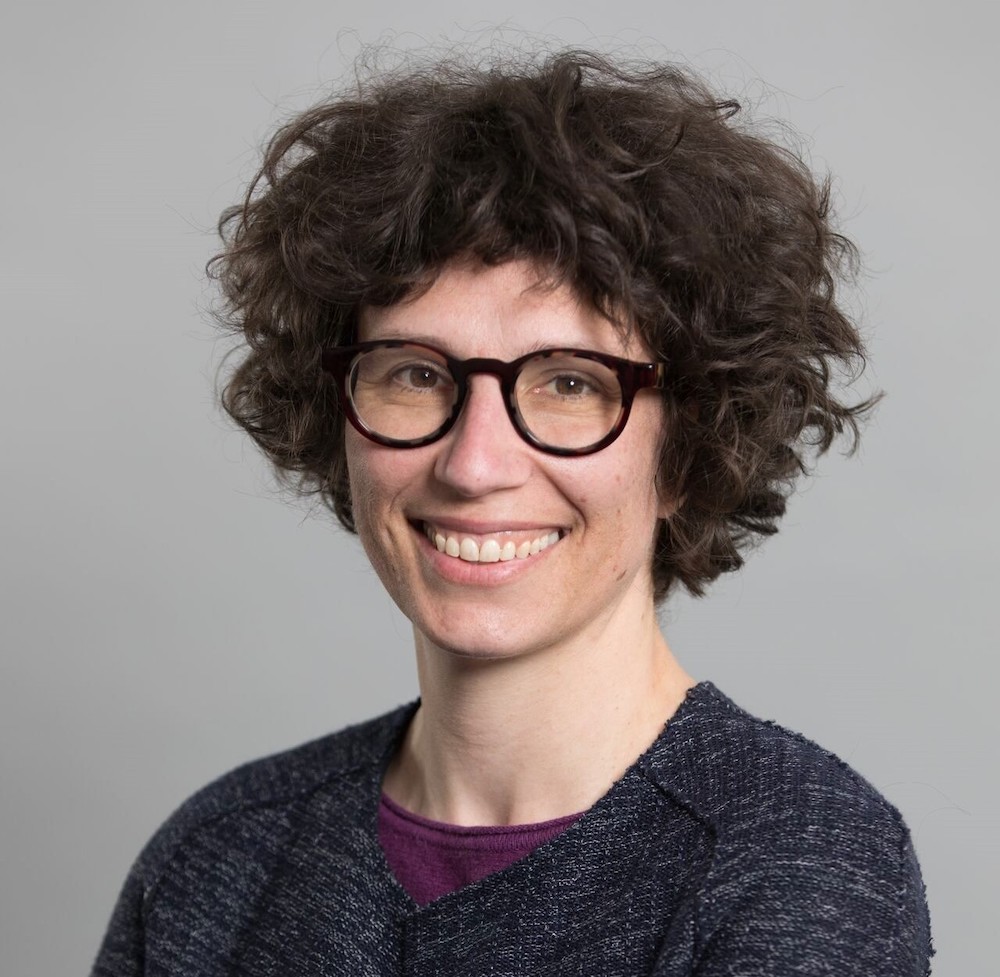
[482, 482]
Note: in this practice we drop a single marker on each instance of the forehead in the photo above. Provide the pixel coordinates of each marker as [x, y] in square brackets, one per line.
[500, 311]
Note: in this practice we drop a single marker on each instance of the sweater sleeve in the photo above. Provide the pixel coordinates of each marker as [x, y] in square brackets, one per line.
[817, 910]
[122, 950]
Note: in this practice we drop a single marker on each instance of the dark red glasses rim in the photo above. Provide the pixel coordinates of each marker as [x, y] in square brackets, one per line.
[632, 375]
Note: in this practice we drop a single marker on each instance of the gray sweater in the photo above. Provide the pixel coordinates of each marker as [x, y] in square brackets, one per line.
[731, 847]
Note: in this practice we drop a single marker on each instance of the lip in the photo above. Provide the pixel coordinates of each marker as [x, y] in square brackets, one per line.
[457, 571]
[482, 527]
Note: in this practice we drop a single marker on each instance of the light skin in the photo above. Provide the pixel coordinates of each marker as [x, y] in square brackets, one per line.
[542, 679]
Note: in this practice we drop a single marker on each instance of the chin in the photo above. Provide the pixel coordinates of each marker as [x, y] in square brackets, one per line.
[475, 634]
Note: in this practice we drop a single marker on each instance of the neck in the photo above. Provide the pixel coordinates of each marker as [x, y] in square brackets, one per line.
[533, 737]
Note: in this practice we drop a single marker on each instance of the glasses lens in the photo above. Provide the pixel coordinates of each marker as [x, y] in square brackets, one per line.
[404, 393]
[567, 400]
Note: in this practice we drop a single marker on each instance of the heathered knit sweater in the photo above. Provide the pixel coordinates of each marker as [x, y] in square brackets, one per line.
[731, 847]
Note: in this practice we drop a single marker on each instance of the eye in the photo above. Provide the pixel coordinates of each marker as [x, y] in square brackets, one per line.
[568, 385]
[574, 385]
[400, 367]
[417, 376]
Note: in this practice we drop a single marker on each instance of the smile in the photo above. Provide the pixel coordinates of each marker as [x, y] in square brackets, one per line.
[502, 547]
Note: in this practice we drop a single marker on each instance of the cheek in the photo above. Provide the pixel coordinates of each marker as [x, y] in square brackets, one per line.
[369, 507]
[369, 489]
[619, 500]
[647, 471]
[378, 477]
[356, 479]
[636, 503]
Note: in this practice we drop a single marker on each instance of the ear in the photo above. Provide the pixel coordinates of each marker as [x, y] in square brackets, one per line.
[668, 506]
[669, 498]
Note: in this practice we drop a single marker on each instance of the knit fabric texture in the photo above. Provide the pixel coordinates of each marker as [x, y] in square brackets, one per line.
[731, 848]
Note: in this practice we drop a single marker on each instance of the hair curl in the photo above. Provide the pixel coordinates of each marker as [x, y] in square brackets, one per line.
[634, 185]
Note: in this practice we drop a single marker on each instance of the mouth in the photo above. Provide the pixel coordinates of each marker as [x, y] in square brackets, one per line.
[500, 546]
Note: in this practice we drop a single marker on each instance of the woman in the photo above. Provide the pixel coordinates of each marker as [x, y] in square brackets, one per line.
[552, 339]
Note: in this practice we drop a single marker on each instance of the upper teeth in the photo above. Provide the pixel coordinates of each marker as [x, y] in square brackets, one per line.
[488, 550]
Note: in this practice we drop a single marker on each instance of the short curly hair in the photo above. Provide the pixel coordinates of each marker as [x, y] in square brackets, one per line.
[631, 183]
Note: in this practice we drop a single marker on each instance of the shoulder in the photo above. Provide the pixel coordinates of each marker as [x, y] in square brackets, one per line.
[803, 845]
[253, 801]
[210, 863]
[740, 774]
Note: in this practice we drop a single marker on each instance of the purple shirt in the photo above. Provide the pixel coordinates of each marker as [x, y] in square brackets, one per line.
[431, 858]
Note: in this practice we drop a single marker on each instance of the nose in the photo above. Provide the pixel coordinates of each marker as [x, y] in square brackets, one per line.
[483, 453]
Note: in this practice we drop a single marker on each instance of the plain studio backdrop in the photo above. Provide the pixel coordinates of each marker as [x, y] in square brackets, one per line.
[167, 615]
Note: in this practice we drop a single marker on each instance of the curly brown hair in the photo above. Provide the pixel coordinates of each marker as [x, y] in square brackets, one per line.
[630, 182]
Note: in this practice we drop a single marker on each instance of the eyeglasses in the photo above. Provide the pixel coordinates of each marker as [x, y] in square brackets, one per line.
[561, 401]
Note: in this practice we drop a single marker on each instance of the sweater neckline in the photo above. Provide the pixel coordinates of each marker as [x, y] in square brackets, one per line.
[612, 804]
[432, 827]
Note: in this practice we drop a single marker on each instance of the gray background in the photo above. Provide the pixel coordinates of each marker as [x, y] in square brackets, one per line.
[166, 615]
